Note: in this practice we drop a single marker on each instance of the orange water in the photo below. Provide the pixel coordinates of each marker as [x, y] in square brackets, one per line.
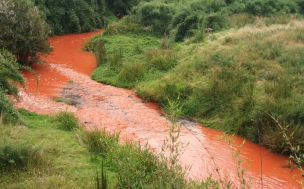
[104, 106]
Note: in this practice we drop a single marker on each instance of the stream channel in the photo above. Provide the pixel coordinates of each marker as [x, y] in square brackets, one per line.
[67, 75]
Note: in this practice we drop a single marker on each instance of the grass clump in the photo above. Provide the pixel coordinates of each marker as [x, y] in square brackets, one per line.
[18, 156]
[65, 121]
[99, 142]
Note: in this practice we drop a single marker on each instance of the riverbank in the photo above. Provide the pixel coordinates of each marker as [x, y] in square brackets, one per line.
[103, 106]
[243, 81]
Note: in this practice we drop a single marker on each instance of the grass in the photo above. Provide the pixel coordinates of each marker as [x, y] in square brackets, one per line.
[65, 121]
[232, 80]
[65, 161]
[54, 158]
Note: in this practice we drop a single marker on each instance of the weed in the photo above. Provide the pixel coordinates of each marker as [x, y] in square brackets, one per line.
[160, 59]
[242, 164]
[101, 178]
[115, 58]
[65, 121]
[100, 52]
[99, 142]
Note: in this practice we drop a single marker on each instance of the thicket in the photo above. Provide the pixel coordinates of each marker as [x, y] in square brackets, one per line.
[73, 16]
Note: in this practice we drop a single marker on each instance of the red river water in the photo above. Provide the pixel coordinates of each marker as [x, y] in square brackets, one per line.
[67, 74]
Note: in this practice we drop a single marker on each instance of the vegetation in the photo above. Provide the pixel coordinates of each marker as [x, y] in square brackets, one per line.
[9, 72]
[41, 155]
[233, 64]
[73, 16]
[23, 32]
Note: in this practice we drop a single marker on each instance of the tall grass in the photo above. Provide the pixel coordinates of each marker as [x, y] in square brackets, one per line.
[99, 142]
[65, 120]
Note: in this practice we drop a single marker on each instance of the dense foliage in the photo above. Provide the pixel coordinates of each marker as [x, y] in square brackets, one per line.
[72, 16]
[23, 32]
[9, 78]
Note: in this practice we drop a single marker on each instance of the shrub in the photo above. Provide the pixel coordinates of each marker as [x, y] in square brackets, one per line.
[65, 121]
[17, 156]
[10, 78]
[155, 15]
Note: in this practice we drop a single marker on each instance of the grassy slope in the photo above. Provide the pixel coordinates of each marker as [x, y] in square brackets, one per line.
[231, 81]
[70, 159]
[66, 162]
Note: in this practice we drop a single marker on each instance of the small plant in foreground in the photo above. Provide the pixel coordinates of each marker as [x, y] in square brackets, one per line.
[242, 164]
[65, 121]
[101, 178]
[17, 156]
[296, 155]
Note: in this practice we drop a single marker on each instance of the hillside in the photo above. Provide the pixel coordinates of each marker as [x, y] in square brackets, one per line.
[245, 78]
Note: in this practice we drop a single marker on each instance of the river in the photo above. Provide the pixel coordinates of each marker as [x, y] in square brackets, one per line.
[67, 74]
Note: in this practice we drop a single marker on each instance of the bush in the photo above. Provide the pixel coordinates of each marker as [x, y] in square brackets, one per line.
[10, 77]
[65, 121]
[270, 7]
[17, 156]
[155, 15]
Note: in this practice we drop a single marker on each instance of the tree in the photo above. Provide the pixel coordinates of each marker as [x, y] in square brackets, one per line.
[10, 77]
[23, 31]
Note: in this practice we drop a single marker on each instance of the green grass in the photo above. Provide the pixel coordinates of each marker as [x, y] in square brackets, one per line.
[233, 80]
[65, 161]
[41, 155]
[65, 121]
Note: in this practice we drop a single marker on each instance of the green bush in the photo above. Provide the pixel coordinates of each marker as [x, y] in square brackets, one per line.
[65, 121]
[9, 71]
[155, 15]
[270, 7]
[17, 156]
